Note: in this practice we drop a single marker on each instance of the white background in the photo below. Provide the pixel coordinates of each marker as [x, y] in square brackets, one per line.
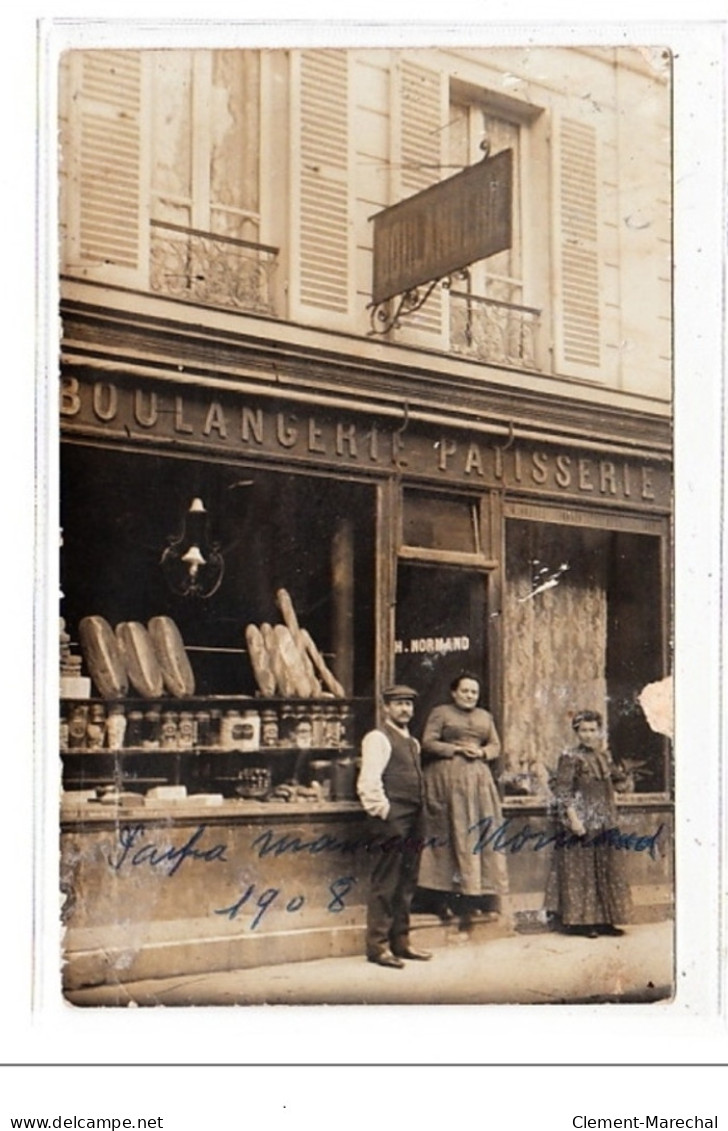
[525, 1050]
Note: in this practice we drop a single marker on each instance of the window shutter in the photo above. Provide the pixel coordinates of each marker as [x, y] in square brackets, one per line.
[422, 102]
[322, 247]
[577, 300]
[107, 229]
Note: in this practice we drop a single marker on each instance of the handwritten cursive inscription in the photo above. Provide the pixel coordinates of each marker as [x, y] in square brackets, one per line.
[504, 838]
[134, 851]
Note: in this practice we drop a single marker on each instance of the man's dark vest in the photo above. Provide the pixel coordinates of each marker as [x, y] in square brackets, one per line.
[402, 776]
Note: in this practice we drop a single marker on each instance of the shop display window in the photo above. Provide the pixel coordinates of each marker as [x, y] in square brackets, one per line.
[311, 539]
[582, 629]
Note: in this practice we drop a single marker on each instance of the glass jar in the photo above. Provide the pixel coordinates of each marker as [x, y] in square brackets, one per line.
[269, 730]
[169, 731]
[248, 736]
[203, 728]
[95, 727]
[152, 728]
[186, 730]
[135, 729]
[77, 721]
[115, 727]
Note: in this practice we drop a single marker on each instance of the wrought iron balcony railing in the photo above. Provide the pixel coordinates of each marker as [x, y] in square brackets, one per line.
[494, 331]
[213, 270]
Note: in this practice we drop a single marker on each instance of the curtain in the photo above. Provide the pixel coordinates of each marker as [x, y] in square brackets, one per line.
[555, 631]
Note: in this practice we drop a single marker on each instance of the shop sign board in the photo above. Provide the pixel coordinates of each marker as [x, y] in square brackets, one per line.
[210, 422]
[444, 228]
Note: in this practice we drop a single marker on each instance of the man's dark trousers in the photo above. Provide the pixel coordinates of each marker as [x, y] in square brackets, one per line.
[396, 854]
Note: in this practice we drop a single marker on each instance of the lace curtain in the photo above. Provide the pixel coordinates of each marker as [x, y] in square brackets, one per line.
[555, 628]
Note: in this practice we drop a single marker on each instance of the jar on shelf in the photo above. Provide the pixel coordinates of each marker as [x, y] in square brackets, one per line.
[169, 731]
[229, 725]
[249, 735]
[95, 727]
[332, 726]
[152, 729]
[115, 727]
[77, 721]
[63, 732]
[203, 722]
[186, 730]
[302, 736]
[215, 727]
[288, 723]
[134, 729]
[347, 726]
[317, 727]
[269, 729]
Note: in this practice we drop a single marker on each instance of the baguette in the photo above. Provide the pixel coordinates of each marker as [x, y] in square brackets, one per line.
[260, 661]
[103, 658]
[291, 658]
[328, 678]
[284, 683]
[285, 605]
[142, 665]
[169, 649]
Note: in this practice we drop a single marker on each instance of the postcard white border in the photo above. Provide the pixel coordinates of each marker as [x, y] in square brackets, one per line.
[690, 1030]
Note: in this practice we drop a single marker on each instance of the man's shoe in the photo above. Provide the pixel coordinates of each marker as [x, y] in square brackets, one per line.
[611, 931]
[386, 958]
[413, 953]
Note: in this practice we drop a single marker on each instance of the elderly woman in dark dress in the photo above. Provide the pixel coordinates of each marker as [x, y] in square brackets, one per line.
[459, 744]
[587, 888]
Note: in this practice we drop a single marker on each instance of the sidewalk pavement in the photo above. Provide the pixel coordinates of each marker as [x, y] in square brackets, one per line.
[471, 968]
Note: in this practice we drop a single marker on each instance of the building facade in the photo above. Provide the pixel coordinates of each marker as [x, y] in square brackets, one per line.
[474, 473]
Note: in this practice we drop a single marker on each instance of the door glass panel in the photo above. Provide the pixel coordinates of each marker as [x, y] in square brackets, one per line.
[440, 631]
[435, 522]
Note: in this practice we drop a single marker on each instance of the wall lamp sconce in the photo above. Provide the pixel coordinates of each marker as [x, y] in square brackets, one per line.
[192, 564]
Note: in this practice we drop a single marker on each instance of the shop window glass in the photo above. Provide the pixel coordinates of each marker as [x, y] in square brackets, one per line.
[581, 630]
[435, 522]
[440, 630]
[275, 530]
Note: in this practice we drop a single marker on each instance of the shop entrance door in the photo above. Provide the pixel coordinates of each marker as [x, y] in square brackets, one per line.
[440, 631]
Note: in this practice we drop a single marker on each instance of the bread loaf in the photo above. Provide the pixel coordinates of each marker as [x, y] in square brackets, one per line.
[142, 665]
[103, 658]
[169, 649]
[329, 679]
[284, 682]
[260, 661]
[285, 604]
[291, 658]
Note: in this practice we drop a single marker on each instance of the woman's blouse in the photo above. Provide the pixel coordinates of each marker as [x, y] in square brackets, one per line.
[449, 727]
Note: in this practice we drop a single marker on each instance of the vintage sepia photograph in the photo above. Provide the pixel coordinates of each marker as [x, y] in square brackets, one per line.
[365, 526]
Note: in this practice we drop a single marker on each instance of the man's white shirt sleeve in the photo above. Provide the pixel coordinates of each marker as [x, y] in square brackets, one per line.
[376, 750]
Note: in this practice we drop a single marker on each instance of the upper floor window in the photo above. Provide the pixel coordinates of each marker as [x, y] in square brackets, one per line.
[162, 163]
[488, 315]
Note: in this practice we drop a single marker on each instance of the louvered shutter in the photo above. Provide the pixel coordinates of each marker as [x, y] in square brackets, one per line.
[422, 105]
[322, 245]
[577, 299]
[108, 232]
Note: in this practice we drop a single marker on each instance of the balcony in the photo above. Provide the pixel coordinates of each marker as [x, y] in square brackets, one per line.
[212, 270]
[490, 330]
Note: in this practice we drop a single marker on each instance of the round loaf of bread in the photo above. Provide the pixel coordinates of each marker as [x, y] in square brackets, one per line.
[169, 649]
[142, 665]
[103, 658]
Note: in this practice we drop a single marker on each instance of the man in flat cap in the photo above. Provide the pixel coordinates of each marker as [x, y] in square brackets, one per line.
[390, 789]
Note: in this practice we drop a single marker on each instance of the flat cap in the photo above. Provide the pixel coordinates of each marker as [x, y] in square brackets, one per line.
[399, 691]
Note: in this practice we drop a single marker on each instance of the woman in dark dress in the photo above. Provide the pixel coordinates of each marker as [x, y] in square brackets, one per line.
[587, 887]
[459, 744]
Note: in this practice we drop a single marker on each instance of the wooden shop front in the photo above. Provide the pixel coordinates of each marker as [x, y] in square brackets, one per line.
[412, 544]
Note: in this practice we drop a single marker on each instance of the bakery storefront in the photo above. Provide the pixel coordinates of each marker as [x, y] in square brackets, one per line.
[243, 567]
